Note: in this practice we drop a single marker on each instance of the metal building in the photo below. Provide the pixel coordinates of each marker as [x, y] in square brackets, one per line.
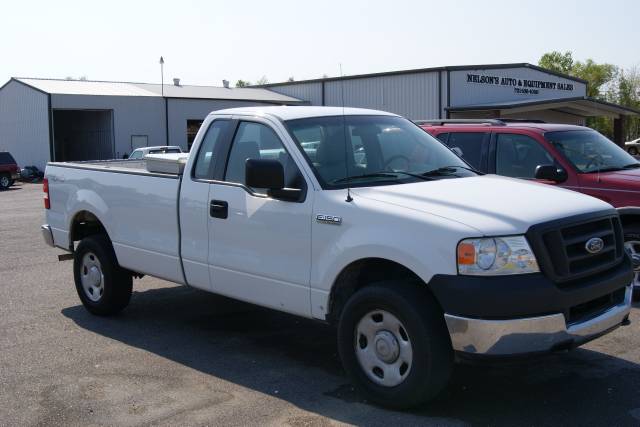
[476, 91]
[45, 120]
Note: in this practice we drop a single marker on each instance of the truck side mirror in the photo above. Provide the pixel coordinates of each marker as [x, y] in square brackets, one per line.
[551, 173]
[264, 173]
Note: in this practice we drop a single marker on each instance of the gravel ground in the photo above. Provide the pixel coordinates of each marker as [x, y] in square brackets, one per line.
[177, 356]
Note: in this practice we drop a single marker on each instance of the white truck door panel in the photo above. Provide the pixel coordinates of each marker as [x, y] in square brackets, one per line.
[259, 247]
[194, 223]
[194, 204]
[261, 252]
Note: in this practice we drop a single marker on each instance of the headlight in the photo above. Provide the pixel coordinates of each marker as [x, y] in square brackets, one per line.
[496, 256]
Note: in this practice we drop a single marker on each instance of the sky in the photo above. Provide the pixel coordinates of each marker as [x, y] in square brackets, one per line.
[203, 42]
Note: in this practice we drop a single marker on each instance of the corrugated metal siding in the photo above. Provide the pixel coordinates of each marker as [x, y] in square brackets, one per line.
[310, 92]
[181, 110]
[414, 96]
[132, 115]
[24, 124]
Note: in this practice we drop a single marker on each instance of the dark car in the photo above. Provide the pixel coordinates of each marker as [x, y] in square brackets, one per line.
[9, 170]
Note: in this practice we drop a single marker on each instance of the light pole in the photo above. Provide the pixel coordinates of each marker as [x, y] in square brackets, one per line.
[162, 75]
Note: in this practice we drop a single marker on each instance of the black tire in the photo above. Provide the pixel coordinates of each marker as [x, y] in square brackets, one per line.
[633, 151]
[632, 234]
[116, 283]
[423, 321]
[5, 181]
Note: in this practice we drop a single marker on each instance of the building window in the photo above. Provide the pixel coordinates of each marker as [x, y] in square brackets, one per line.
[192, 130]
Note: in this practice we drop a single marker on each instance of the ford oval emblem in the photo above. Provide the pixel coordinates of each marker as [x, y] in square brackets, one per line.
[594, 245]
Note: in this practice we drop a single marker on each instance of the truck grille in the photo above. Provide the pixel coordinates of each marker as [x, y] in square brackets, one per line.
[561, 246]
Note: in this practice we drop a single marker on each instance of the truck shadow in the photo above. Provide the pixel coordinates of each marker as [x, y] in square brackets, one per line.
[297, 361]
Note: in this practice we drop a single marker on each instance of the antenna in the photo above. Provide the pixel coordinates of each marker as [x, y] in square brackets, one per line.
[349, 199]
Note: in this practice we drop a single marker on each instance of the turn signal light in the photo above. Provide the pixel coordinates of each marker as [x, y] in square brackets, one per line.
[45, 189]
[466, 254]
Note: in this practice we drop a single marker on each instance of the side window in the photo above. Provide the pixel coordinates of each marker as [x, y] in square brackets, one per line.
[443, 137]
[518, 155]
[203, 167]
[258, 141]
[137, 154]
[470, 143]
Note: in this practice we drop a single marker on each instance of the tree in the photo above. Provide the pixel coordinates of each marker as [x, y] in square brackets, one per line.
[262, 81]
[600, 77]
[557, 61]
[243, 83]
[291, 79]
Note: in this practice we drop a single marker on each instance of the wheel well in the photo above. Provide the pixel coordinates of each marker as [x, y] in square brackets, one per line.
[85, 224]
[362, 273]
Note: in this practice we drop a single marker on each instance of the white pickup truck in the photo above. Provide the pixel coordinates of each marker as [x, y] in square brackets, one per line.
[358, 218]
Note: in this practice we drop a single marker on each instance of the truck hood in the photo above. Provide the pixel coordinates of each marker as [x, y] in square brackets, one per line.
[491, 204]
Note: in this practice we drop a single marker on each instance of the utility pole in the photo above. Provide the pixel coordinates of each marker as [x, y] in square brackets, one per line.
[166, 102]
[162, 75]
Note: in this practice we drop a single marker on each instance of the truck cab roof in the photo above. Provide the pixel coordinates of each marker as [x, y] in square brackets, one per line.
[300, 112]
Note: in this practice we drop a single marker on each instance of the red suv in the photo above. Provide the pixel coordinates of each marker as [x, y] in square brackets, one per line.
[9, 170]
[572, 157]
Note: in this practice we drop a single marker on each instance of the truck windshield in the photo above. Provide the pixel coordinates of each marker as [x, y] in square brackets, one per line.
[373, 150]
[590, 152]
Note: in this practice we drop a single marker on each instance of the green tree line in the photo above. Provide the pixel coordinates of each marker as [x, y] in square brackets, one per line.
[607, 82]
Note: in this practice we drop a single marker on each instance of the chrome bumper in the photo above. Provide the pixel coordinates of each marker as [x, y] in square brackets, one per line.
[47, 235]
[533, 334]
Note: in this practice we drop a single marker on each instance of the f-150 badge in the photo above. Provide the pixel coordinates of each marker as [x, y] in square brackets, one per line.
[329, 219]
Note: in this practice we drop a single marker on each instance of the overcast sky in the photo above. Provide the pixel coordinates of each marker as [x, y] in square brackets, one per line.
[205, 41]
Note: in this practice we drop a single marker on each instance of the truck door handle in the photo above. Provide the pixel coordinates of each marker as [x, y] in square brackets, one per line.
[219, 209]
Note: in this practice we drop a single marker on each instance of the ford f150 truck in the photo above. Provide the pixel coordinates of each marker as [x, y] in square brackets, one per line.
[567, 156]
[357, 218]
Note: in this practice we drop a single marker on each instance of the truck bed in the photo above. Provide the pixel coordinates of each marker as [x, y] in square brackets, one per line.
[137, 167]
[138, 208]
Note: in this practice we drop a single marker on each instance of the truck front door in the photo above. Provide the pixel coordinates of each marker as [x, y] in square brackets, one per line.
[259, 247]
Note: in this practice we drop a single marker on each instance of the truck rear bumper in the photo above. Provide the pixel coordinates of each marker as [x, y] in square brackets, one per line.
[47, 235]
[532, 334]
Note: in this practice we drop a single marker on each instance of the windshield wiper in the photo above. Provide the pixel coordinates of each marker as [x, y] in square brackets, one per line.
[366, 175]
[446, 170]
[615, 168]
[631, 166]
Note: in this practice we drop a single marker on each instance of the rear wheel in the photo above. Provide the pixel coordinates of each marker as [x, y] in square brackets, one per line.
[633, 151]
[5, 182]
[632, 245]
[102, 285]
[394, 344]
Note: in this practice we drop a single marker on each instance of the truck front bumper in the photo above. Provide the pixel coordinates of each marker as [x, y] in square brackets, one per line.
[532, 334]
[47, 235]
[514, 315]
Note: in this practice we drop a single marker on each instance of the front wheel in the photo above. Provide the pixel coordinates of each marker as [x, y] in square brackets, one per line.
[632, 245]
[102, 285]
[5, 182]
[394, 344]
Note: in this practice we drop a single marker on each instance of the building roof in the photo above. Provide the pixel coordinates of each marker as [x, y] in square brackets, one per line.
[107, 88]
[301, 112]
[424, 70]
[581, 105]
